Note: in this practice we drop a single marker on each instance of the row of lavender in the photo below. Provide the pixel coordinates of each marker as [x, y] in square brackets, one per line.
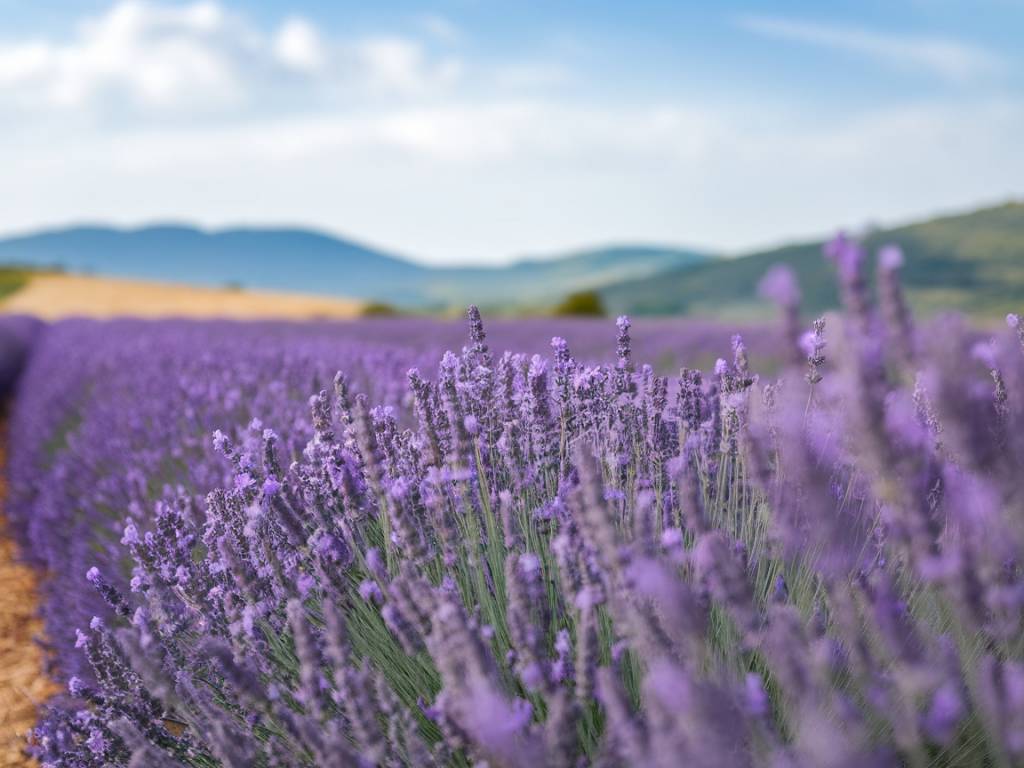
[114, 416]
[512, 560]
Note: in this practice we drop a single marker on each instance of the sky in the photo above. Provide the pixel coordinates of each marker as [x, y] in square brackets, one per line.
[472, 131]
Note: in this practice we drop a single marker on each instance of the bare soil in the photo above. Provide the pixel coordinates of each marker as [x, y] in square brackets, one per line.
[23, 682]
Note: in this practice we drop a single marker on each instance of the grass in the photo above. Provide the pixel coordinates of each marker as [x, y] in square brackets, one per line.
[12, 280]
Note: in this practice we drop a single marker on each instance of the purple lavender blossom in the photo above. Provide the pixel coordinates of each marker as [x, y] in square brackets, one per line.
[469, 558]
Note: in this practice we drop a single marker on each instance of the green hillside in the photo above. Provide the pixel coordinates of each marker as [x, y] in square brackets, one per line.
[972, 262]
[537, 282]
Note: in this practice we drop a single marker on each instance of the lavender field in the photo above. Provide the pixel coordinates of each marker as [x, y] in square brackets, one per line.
[404, 542]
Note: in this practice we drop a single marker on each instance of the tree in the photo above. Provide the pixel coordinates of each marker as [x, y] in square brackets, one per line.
[586, 303]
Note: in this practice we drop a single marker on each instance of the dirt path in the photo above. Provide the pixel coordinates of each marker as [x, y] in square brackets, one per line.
[22, 682]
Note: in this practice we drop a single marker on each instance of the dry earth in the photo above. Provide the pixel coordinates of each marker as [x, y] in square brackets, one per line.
[53, 296]
[23, 684]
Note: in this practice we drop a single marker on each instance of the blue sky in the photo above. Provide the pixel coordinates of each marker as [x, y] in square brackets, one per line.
[469, 130]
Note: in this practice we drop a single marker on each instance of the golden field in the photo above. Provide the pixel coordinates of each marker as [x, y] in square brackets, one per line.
[53, 296]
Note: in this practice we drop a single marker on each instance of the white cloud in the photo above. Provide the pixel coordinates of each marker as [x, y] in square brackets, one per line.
[398, 64]
[299, 47]
[23, 63]
[149, 56]
[949, 59]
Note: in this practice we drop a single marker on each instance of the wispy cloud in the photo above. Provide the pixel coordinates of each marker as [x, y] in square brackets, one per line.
[949, 59]
[469, 180]
[440, 28]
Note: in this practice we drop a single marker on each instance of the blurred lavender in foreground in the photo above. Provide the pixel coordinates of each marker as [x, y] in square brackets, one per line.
[524, 561]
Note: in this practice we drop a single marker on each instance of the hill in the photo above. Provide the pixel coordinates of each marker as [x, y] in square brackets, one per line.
[538, 282]
[972, 262]
[304, 261]
[290, 260]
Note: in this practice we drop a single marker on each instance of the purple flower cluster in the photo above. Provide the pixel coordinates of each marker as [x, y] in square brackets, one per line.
[510, 559]
[17, 338]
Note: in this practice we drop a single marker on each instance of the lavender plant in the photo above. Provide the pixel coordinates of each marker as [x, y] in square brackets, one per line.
[517, 560]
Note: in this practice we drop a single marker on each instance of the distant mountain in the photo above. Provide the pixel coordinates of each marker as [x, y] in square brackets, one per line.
[292, 260]
[298, 260]
[973, 262]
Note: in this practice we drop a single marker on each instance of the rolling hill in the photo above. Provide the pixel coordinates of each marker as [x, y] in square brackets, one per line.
[538, 282]
[291, 260]
[303, 261]
[972, 262]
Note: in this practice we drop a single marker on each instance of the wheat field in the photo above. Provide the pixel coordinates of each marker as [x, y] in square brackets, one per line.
[54, 296]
